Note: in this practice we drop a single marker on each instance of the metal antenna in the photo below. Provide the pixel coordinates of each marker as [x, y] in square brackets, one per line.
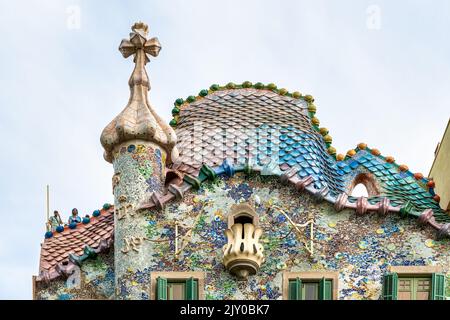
[48, 205]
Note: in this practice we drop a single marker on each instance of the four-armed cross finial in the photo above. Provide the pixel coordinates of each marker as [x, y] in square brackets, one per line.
[140, 46]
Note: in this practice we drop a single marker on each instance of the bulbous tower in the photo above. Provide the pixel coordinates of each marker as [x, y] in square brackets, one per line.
[139, 145]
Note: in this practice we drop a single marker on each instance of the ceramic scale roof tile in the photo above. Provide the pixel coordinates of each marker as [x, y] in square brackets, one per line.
[56, 249]
[394, 181]
[246, 124]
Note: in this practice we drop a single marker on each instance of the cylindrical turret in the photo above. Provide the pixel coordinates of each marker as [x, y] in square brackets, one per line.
[139, 144]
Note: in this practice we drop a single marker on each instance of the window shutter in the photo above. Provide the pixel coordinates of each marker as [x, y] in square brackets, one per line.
[390, 286]
[295, 289]
[191, 289]
[161, 288]
[325, 289]
[438, 286]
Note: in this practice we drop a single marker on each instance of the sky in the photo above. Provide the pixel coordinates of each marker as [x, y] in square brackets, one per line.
[379, 72]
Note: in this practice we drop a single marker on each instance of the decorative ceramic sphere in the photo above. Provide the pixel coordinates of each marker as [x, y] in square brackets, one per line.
[214, 87]
[351, 152]
[48, 235]
[106, 206]
[173, 123]
[418, 176]
[72, 225]
[86, 220]
[323, 131]
[96, 213]
[259, 85]
[315, 121]
[283, 91]
[389, 159]
[403, 167]
[175, 111]
[309, 98]
[312, 108]
[203, 93]
[296, 95]
[190, 99]
[59, 229]
[437, 198]
[179, 102]
[246, 84]
[332, 150]
[375, 152]
[271, 86]
[340, 157]
[431, 184]
[362, 146]
[328, 139]
[231, 85]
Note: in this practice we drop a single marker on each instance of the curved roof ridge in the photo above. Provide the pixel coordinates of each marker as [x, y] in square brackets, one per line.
[181, 104]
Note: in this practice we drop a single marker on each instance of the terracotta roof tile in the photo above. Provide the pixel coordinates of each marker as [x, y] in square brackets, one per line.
[56, 249]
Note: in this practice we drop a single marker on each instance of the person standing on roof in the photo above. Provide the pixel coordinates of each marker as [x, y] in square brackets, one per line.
[74, 217]
[54, 221]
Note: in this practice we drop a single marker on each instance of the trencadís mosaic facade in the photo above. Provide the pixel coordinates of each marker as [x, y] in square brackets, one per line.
[243, 196]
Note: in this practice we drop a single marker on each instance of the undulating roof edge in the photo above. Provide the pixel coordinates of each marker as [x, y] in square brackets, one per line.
[180, 104]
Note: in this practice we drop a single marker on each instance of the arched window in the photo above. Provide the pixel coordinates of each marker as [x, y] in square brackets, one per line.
[364, 185]
[360, 190]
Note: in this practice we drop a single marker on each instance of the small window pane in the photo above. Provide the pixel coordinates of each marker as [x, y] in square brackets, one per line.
[423, 289]
[414, 288]
[404, 285]
[310, 290]
[176, 291]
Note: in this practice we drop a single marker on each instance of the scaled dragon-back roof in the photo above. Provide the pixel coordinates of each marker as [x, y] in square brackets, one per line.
[253, 124]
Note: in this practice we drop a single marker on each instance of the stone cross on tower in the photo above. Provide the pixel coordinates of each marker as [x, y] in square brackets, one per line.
[140, 47]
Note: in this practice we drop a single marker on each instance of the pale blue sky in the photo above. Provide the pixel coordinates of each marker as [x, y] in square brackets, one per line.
[388, 87]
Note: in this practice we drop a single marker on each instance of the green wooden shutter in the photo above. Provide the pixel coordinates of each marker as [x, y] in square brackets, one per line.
[295, 289]
[325, 289]
[191, 289]
[161, 288]
[390, 286]
[438, 286]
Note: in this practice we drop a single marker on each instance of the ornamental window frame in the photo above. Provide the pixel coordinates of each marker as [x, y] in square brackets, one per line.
[391, 281]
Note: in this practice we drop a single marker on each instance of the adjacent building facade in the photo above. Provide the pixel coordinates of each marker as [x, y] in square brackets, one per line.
[242, 196]
[440, 170]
